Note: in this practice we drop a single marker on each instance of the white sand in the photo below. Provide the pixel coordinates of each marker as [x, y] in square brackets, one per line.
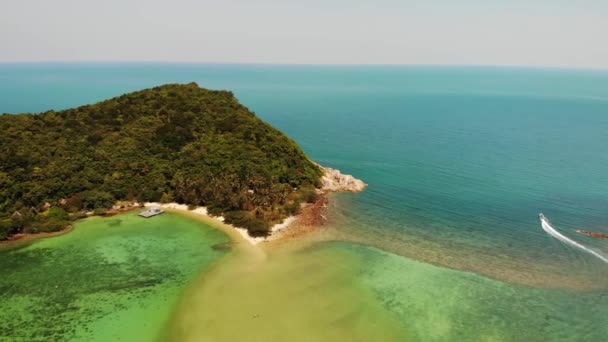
[242, 231]
[280, 226]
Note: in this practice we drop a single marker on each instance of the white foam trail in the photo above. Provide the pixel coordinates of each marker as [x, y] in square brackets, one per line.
[549, 229]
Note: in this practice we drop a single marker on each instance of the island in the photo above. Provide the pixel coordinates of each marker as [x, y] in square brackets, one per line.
[175, 143]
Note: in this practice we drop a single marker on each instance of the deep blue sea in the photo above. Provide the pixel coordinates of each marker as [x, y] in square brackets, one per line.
[459, 160]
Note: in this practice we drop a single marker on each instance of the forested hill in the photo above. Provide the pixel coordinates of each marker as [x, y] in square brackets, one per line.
[176, 142]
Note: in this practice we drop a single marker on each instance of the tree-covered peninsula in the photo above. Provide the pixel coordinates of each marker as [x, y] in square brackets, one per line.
[173, 143]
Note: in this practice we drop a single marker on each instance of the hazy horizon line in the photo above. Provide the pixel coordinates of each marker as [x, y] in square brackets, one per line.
[509, 66]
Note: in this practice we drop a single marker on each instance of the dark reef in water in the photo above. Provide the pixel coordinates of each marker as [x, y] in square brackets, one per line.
[56, 298]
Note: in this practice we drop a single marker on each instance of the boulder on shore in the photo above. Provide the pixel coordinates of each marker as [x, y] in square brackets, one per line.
[334, 181]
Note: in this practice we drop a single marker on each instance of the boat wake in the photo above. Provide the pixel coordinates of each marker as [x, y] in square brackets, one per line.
[544, 222]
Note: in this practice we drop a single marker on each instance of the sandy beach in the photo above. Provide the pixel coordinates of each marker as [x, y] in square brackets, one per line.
[311, 214]
[218, 221]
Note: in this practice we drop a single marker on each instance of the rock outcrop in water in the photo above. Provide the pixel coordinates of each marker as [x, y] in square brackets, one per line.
[593, 234]
[333, 181]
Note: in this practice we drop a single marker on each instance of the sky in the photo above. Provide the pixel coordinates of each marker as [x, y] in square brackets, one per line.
[554, 33]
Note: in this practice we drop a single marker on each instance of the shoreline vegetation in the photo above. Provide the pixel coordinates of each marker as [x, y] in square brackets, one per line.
[22, 239]
[175, 143]
[310, 216]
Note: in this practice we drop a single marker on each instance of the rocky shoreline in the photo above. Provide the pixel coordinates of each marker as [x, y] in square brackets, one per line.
[335, 181]
[593, 234]
[313, 216]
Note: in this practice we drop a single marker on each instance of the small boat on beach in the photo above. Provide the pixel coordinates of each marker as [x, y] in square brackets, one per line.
[151, 212]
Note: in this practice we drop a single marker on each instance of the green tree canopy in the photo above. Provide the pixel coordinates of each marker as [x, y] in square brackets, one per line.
[174, 142]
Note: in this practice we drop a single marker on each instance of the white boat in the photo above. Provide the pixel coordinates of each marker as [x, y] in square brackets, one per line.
[151, 212]
[547, 227]
[542, 217]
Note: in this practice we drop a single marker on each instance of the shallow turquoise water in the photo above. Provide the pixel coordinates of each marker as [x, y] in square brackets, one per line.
[116, 278]
[434, 304]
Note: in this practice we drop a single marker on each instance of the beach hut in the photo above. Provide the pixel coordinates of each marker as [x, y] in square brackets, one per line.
[151, 212]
